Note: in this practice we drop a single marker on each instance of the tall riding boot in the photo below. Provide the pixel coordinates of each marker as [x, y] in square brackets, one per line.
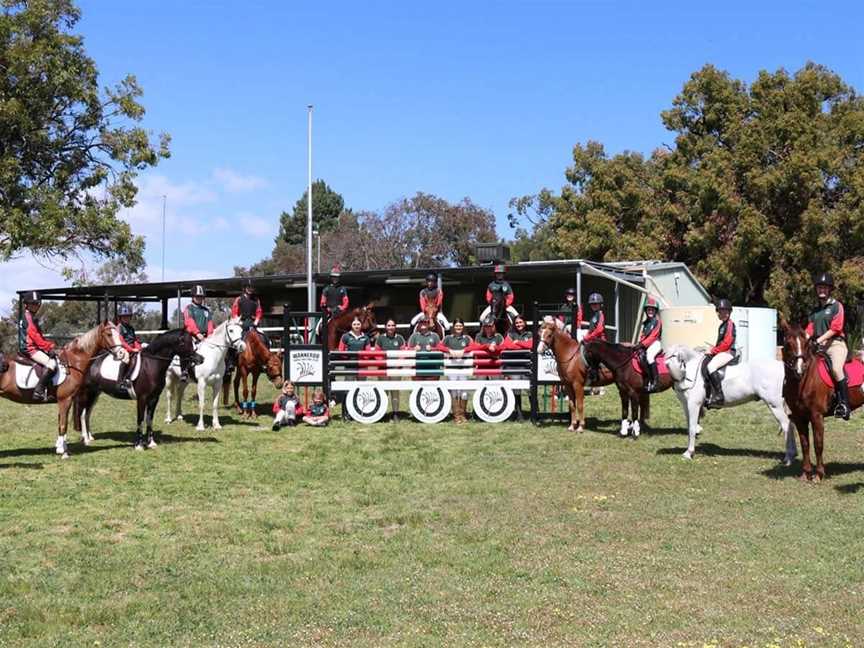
[518, 409]
[717, 398]
[842, 410]
[653, 378]
[458, 411]
[40, 393]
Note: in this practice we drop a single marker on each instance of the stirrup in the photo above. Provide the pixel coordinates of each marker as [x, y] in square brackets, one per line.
[842, 411]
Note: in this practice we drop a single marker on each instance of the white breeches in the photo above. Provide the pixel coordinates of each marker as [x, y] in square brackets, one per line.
[45, 360]
[653, 349]
[513, 312]
[719, 361]
[286, 415]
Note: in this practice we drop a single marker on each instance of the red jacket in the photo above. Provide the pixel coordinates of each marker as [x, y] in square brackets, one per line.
[599, 331]
[439, 300]
[343, 305]
[192, 327]
[728, 340]
[235, 309]
[35, 340]
[508, 300]
[653, 336]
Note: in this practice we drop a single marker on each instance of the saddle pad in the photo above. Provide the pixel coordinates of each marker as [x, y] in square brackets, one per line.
[854, 370]
[660, 360]
[110, 368]
[27, 378]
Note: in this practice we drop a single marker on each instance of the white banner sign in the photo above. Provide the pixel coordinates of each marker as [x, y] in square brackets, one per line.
[547, 368]
[306, 366]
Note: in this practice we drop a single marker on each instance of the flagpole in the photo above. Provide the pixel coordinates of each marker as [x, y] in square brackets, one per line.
[310, 286]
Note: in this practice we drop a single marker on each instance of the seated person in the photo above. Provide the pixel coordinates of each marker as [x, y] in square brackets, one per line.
[317, 413]
[423, 339]
[287, 407]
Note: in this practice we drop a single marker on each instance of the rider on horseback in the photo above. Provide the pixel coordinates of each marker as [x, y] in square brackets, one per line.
[720, 355]
[649, 341]
[247, 307]
[432, 293]
[130, 341]
[566, 312]
[596, 331]
[32, 343]
[826, 325]
[334, 299]
[197, 320]
[499, 290]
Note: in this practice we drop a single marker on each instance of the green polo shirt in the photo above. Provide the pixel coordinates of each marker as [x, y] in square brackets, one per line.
[387, 343]
[456, 342]
[495, 338]
[426, 341]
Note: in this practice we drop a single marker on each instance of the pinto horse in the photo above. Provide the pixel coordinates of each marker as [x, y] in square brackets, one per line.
[808, 396]
[73, 360]
[255, 358]
[148, 381]
[623, 361]
[571, 368]
[339, 326]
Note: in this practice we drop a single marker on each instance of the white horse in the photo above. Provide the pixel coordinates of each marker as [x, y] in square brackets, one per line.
[213, 349]
[759, 380]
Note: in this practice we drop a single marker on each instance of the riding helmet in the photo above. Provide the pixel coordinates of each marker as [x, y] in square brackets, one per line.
[652, 303]
[335, 273]
[570, 291]
[431, 277]
[488, 321]
[123, 310]
[724, 304]
[499, 269]
[198, 290]
[31, 297]
[248, 285]
[825, 279]
[595, 298]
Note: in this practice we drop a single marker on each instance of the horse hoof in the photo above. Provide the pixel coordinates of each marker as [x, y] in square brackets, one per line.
[817, 478]
[152, 445]
[139, 447]
[804, 477]
[199, 428]
[687, 455]
[580, 429]
[65, 455]
[571, 429]
[86, 441]
[216, 427]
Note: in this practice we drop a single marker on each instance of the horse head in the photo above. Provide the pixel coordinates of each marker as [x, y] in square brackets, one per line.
[273, 369]
[108, 339]
[677, 357]
[367, 319]
[796, 347]
[234, 335]
[548, 330]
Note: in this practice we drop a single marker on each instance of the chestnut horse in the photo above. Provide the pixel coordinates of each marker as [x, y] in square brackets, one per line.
[618, 358]
[807, 395]
[74, 358]
[255, 358]
[431, 314]
[571, 368]
[339, 326]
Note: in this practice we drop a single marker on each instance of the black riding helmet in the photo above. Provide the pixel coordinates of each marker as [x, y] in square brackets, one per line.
[249, 286]
[724, 304]
[31, 297]
[570, 292]
[824, 279]
[431, 277]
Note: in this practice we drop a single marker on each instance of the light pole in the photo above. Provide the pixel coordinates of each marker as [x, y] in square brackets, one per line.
[310, 287]
[164, 204]
[317, 236]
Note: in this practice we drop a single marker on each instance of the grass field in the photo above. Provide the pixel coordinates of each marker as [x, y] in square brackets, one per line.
[413, 535]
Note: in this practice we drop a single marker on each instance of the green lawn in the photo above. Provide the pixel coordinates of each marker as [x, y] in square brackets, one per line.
[414, 535]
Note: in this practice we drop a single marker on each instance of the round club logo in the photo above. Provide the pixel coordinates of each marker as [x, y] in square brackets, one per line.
[366, 404]
[429, 404]
[494, 404]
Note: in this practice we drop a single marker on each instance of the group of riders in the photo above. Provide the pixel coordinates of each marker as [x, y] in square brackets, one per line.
[825, 327]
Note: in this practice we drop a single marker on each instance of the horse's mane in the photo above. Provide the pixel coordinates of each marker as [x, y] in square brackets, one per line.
[163, 340]
[87, 342]
[682, 351]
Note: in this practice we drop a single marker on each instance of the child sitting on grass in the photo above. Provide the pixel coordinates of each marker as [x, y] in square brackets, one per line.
[287, 407]
[317, 413]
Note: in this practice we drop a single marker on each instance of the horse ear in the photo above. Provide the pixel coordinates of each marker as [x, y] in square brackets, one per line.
[784, 324]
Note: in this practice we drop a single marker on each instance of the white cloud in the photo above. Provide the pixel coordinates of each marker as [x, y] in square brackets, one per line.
[256, 226]
[26, 273]
[234, 182]
[146, 216]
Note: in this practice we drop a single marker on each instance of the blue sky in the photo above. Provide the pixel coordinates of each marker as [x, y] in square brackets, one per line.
[481, 99]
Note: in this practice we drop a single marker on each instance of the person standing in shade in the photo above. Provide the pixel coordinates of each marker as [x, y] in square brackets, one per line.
[391, 341]
[826, 325]
[455, 343]
[567, 310]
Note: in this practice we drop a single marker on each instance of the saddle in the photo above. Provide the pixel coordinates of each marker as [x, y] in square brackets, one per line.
[110, 368]
[28, 373]
[854, 372]
[721, 372]
[640, 361]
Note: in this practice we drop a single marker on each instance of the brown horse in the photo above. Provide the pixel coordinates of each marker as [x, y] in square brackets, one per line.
[807, 395]
[74, 359]
[619, 359]
[431, 314]
[339, 326]
[571, 368]
[256, 357]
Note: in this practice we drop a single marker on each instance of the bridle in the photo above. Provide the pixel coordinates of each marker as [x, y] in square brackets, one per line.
[550, 345]
[683, 362]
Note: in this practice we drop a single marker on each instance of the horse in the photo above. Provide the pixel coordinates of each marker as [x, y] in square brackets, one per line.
[431, 314]
[72, 360]
[255, 357]
[229, 334]
[807, 394]
[338, 326]
[744, 382]
[623, 361]
[147, 373]
[571, 368]
[498, 310]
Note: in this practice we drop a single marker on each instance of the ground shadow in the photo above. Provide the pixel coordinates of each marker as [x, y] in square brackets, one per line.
[75, 447]
[849, 489]
[831, 470]
[21, 464]
[713, 450]
[128, 438]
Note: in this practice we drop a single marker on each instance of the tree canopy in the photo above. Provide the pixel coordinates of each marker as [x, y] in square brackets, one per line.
[327, 206]
[69, 152]
[762, 189]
